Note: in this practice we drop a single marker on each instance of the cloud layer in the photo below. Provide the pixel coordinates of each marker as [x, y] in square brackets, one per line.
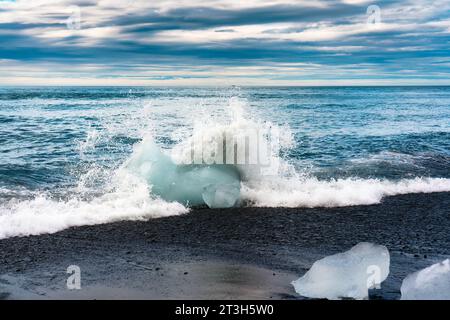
[218, 42]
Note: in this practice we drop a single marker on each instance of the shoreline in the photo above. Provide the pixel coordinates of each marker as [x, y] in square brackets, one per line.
[239, 253]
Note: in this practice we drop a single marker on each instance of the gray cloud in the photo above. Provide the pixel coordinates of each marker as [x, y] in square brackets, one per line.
[332, 37]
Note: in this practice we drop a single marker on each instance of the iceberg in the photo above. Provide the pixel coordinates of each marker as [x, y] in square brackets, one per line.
[216, 185]
[346, 275]
[221, 195]
[432, 283]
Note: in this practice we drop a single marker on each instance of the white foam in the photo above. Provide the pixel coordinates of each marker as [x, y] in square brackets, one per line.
[312, 192]
[130, 201]
[209, 135]
[432, 283]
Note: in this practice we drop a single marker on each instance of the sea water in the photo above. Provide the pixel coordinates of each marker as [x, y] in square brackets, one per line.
[73, 156]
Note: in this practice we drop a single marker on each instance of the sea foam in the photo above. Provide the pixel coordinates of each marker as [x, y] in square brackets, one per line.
[131, 200]
[312, 192]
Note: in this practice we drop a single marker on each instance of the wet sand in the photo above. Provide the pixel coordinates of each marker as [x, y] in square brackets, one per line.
[241, 253]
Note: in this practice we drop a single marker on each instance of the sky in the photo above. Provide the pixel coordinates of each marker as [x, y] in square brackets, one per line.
[224, 42]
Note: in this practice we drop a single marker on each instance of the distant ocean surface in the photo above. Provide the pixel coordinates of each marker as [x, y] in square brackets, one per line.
[64, 150]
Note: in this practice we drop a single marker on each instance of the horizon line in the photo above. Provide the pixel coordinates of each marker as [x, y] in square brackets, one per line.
[224, 85]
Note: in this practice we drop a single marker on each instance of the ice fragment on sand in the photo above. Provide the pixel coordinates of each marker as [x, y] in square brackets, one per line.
[221, 195]
[432, 283]
[346, 275]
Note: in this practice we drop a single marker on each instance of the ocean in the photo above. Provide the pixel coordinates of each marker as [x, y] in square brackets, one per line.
[72, 156]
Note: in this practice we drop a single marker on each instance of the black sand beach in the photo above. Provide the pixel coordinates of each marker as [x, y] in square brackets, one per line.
[242, 253]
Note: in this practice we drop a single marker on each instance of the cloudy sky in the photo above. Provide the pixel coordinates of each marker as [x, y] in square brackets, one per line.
[223, 42]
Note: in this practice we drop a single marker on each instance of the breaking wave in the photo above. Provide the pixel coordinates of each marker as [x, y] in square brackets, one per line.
[156, 182]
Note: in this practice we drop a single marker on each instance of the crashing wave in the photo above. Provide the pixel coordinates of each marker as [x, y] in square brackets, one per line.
[217, 165]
